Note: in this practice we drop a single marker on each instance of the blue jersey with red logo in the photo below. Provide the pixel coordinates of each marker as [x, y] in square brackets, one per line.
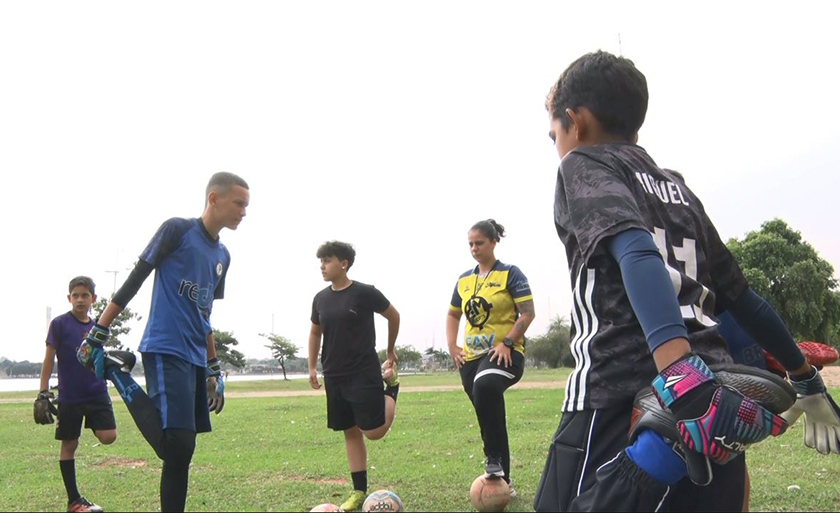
[190, 269]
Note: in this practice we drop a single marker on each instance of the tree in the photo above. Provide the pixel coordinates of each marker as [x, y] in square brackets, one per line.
[552, 349]
[224, 352]
[282, 349]
[440, 359]
[409, 357]
[789, 273]
[119, 326]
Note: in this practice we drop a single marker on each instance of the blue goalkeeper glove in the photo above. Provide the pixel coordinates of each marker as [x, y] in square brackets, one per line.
[215, 386]
[716, 421]
[91, 353]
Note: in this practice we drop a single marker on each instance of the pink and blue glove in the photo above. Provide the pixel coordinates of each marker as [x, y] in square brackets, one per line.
[714, 420]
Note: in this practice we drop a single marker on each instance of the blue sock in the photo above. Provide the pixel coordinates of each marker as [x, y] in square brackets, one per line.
[656, 458]
[124, 384]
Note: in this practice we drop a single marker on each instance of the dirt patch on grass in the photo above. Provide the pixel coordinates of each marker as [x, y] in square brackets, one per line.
[118, 462]
[403, 389]
[831, 376]
[315, 480]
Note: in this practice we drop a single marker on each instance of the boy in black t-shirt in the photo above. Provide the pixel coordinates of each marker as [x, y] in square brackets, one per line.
[356, 403]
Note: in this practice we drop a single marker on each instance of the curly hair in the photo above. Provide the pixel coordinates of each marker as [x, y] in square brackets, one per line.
[340, 250]
[610, 87]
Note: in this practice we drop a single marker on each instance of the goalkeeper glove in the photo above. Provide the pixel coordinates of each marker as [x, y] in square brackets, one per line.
[716, 421]
[822, 416]
[45, 408]
[215, 386]
[91, 353]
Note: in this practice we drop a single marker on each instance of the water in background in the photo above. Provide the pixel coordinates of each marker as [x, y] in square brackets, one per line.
[26, 384]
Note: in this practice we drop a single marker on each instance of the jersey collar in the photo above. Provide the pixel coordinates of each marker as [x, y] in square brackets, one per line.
[207, 235]
[495, 265]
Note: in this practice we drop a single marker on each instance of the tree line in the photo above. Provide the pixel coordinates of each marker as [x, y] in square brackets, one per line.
[777, 262]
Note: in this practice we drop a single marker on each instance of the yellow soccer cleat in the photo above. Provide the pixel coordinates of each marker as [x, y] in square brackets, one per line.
[355, 502]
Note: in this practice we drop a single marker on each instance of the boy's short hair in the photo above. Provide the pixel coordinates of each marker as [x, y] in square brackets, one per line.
[82, 281]
[341, 250]
[222, 183]
[610, 87]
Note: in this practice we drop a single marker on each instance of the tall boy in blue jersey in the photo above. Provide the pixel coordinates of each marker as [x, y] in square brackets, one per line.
[179, 354]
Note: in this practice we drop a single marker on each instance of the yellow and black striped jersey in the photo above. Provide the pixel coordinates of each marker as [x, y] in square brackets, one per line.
[489, 304]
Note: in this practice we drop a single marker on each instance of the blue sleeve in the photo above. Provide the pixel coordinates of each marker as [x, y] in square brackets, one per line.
[755, 315]
[518, 285]
[742, 347]
[455, 302]
[220, 288]
[648, 286]
[165, 241]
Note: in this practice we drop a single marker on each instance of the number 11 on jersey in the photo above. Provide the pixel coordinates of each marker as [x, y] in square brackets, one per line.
[687, 254]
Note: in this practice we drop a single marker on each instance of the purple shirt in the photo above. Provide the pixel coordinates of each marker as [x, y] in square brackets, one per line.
[75, 383]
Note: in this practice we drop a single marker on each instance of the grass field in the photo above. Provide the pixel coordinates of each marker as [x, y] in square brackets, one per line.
[276, 454]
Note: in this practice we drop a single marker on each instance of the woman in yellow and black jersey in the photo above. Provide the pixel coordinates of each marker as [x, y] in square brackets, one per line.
[497, 302]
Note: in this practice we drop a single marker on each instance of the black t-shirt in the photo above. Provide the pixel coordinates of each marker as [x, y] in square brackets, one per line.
[601, 191]
[346, 320]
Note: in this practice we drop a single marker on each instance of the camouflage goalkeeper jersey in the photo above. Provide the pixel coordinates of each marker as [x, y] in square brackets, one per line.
[601, 191]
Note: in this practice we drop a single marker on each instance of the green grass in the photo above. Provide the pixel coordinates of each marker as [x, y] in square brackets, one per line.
[276, 454]
[294, 385]
[415, 380]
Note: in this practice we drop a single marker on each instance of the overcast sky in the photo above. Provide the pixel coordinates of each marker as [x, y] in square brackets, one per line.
[394, 126]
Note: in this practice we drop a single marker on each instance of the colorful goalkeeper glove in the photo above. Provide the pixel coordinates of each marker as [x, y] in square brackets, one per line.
[91, 353]
[714, 420]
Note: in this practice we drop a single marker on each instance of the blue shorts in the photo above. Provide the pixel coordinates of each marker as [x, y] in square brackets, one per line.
[177, 388]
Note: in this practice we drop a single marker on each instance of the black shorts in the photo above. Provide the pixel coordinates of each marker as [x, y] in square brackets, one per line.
[357, 400]
[98, 415]
[583, 442]
[592, 442]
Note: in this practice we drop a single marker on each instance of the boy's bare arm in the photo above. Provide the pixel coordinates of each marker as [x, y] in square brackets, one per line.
[670, 352]
[211, 346]
[47, 368]
[111, 312]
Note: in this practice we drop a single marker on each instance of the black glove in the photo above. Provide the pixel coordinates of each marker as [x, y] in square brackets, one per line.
[44, 408]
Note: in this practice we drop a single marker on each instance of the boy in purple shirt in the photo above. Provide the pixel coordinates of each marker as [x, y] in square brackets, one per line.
[81, 394]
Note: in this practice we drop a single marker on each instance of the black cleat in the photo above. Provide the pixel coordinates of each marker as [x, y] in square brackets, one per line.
[493, 467]
[123, 360]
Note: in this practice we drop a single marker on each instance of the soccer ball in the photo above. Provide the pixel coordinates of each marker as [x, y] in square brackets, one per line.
[326, 507]
[489, 494]
[383, 500]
